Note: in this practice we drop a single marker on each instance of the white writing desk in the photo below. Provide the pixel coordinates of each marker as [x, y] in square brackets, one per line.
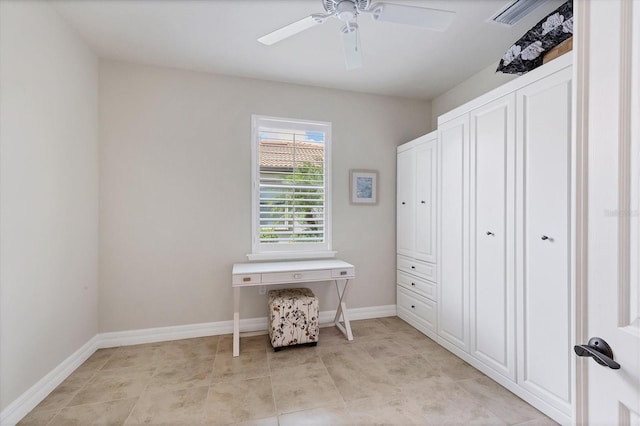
[302, 271]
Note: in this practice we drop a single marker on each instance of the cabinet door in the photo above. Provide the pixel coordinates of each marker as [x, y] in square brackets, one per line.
[544, 229]
[405, 212]
[492, 207]
[453, 198]
[426, 178]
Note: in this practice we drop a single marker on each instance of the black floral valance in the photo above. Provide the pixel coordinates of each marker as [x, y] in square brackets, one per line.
[526, 53]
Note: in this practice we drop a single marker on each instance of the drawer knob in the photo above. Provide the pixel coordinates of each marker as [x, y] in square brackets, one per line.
[413, 306]
[403, 203]
[246, 279]
[413, 267]
[343, 272]
[544, 238]
[491, 234]
[423, 202]
[413, 284]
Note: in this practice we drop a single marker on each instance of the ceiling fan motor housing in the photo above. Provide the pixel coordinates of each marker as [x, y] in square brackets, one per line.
[345, 10]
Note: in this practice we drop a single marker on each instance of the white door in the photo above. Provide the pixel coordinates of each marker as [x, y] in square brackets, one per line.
[453, 199]
[492, 280]
[405, 212]
[613, 208]
[425, 201]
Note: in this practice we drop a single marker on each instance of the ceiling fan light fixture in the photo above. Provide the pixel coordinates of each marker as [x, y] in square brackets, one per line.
[346, 11]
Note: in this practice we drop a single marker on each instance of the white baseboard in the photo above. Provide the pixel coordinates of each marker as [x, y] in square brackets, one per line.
[364, 313]
[26, 402]
[162, 334]
[34, 395]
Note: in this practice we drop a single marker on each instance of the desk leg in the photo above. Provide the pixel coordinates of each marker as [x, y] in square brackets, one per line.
[236, 321]
[342, 311]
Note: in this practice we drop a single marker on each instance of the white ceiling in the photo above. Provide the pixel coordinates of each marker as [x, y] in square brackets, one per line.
[219, 36]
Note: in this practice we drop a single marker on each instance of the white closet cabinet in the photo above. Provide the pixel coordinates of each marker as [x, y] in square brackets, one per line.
[492, 206]
[406, 195]
[506, 236]
[453, 297]
[544, 229]
[416, 210]
[416, 233]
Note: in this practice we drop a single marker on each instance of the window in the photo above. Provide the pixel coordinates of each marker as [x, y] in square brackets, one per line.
[291, 188]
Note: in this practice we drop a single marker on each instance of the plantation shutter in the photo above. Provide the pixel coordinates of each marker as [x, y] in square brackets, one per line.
[292, 190]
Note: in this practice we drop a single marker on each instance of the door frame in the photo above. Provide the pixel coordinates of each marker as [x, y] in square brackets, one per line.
[581, 52]
[581, 138]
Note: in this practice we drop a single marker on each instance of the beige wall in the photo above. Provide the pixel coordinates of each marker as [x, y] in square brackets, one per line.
[175, 189]
[476, 85]
[48, 195]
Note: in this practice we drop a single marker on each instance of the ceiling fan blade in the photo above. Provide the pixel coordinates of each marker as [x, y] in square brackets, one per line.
[293, 29]
[433, 19]
[351, 44]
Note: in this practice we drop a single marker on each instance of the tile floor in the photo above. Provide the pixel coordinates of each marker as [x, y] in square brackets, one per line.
[389, 374]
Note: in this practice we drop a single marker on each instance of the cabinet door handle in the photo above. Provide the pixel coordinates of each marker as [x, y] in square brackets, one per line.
[491, 234]
[413, 306]
[544, 238]
[403, 203]
[413, 284]
[413, 267]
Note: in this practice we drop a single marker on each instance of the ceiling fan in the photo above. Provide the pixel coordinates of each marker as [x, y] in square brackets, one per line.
[348, 10]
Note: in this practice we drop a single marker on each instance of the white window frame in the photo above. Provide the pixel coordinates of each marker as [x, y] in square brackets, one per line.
[262, 251]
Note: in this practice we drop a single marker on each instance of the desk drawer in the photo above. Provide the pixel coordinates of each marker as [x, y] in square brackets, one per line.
[246, 279]
[292, 277]
[422, 287]
[416, 267]
[343, 273]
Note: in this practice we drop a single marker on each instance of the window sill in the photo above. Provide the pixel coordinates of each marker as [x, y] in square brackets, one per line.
[292, 255]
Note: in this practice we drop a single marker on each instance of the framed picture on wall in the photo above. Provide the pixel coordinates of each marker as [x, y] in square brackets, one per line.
[363, 186]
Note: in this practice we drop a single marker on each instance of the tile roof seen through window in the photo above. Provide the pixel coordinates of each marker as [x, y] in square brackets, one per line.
[284, 154]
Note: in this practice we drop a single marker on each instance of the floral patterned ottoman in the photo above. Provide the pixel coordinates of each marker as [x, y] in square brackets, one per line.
[293, 317]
